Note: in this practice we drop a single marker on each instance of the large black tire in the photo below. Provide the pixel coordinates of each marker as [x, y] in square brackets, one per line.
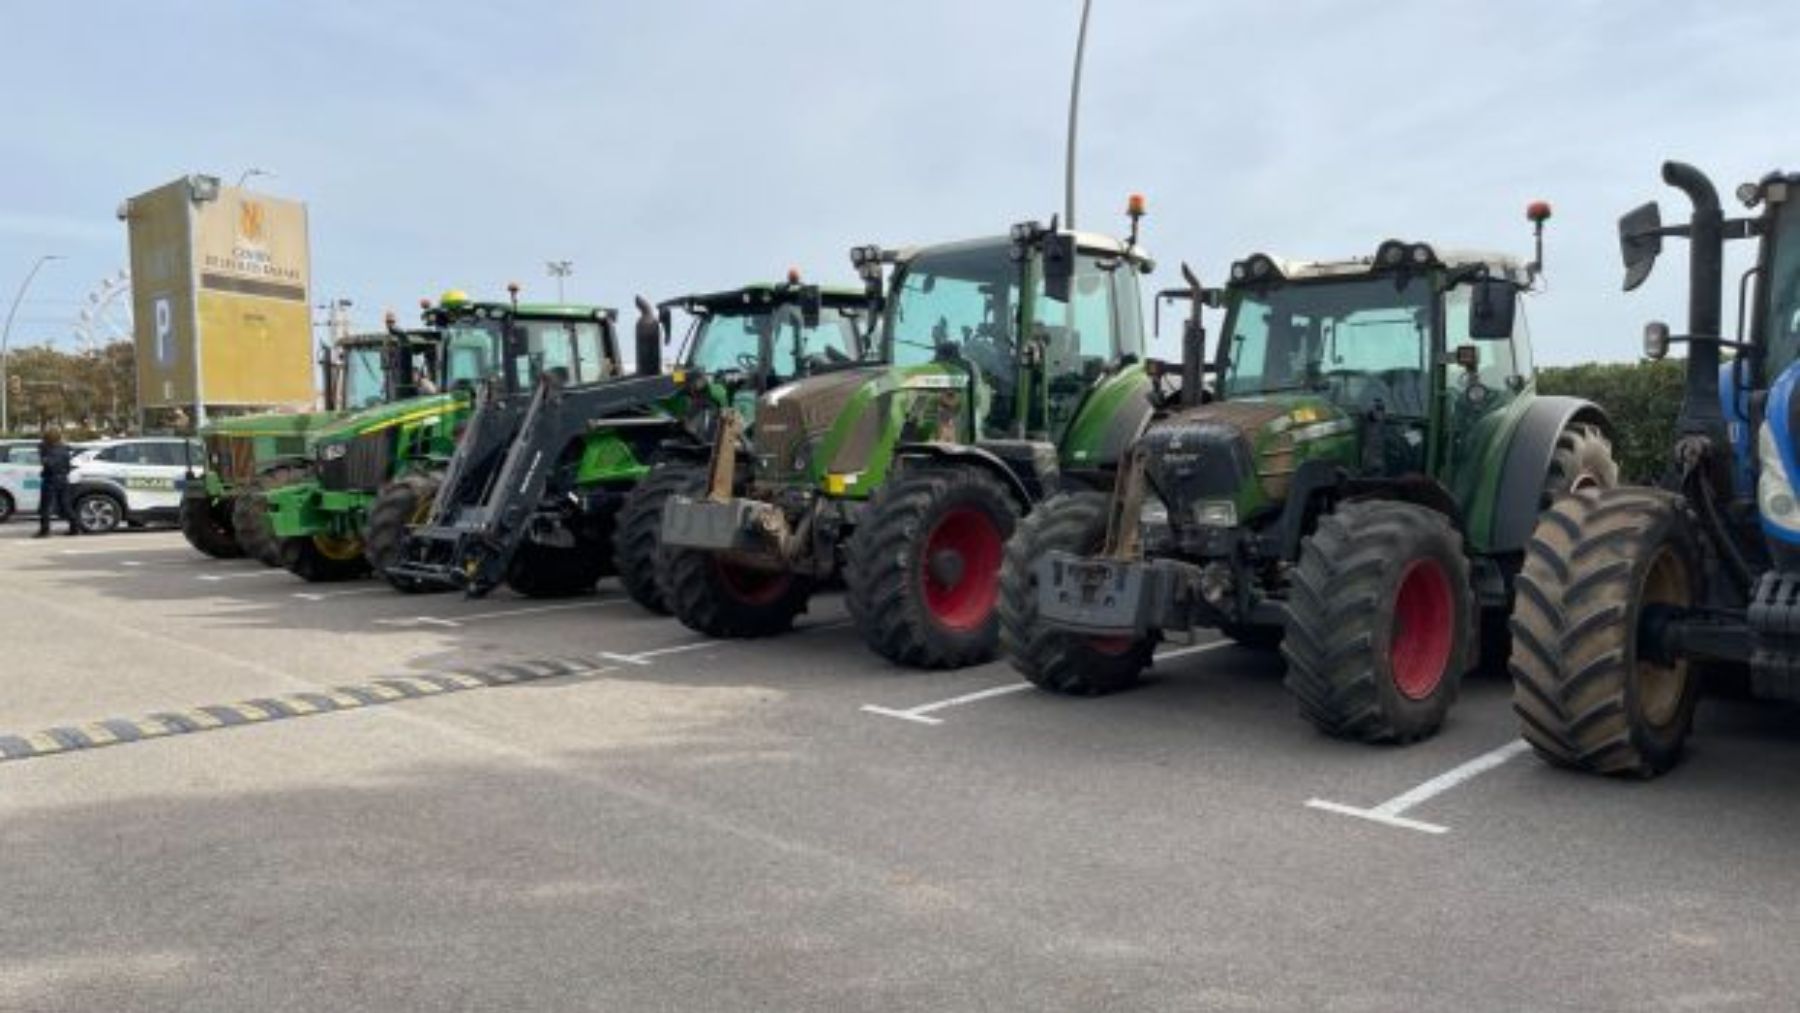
[1381, 622]
[719, 599]
[1052, 659]
[6, 506]
[207, 527]
[637, 536]
[401, 503]
[548, 571]
[322, 560]
[1583, 696]
[250, 518]
[1582, 460]
[923, 566]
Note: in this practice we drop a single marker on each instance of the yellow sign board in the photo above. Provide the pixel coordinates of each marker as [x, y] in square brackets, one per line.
[219, 290]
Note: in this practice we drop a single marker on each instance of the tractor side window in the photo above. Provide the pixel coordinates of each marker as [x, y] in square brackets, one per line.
[1499, 360]
[572, 349]
[1079, 333]
[363, 376]
[728, 342]
[469, 354]
[935, 309]
[1247, 352]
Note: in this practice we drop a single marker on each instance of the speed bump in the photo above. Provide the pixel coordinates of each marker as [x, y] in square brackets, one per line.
[261, 710]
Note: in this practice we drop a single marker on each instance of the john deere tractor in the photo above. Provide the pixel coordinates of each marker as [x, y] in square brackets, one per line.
[1006, 369]
[324, 523]
[1355, 483]
[534, 495]
[740, 343]
[221, 508]
[1632, 597]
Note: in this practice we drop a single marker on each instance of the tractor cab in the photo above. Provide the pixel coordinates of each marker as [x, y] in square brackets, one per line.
[365, 370]
[1413, 348]
[742, 342]
[1038, 319]
[513, 344]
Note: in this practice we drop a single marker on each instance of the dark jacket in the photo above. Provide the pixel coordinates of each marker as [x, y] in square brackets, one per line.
[56, 460]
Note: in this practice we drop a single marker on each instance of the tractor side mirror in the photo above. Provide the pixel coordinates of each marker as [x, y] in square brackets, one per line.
[1656, 340]
[1640, 241]
[649, 339]
[1059, 265]
[1492, 304]
[811, 306]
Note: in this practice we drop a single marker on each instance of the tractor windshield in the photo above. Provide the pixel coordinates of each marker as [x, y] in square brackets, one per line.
[575, 350]
[365, 377]
[1783, 279]
[723, 340]
[1358, 341]
[471, 352]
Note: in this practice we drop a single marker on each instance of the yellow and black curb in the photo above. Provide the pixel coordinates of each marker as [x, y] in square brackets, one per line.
[117, 731]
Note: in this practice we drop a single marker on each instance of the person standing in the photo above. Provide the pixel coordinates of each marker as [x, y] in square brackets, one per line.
[53, 495]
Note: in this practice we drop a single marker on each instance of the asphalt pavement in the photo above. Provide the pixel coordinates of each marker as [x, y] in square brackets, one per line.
[596, 809]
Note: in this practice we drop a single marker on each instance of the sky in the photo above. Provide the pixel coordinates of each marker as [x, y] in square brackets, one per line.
[698, 144]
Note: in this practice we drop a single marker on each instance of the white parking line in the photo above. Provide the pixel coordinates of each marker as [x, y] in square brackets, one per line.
[1389, 812]
[216, 577]
[643, 657]
[479, 616]
[325, 595]
[917, 714]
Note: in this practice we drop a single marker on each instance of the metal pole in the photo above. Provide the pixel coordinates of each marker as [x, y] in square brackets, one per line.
[6, 332]
[560, 269]
[1074, 107]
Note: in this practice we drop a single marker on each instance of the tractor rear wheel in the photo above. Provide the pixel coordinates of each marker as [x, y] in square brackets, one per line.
[1381, 622]
[637, 538]
[553, 571]
[405, 501]
[1054, 659]
[321, 559]
[208, 527]
[923, 567]
[1584, 697]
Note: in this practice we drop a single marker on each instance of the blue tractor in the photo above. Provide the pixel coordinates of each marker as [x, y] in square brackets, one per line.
[1632, 597]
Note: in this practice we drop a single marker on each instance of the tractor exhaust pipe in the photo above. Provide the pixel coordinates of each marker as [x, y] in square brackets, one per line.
[649, 336]
[1700, 412]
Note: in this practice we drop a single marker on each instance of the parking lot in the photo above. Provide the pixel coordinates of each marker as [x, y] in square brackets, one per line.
[510, 804]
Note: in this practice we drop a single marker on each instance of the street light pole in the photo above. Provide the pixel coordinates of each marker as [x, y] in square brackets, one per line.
[248, 173]
[560, 269]
[1074, 107]
[6, 332]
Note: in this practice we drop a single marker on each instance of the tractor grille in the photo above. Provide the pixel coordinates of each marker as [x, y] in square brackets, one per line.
[365, 465]
[232, 458]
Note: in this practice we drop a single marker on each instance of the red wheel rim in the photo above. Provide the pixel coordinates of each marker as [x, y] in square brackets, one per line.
[1110, 646]
[750, 587]
[971, 540]
[1424, 629]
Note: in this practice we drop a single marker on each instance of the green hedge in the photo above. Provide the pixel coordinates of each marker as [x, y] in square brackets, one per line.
[1642, 399]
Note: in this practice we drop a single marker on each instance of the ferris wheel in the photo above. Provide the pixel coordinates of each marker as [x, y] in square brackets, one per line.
[105, 315]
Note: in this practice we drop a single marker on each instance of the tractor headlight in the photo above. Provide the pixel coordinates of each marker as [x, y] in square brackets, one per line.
[1216, 513]
[1774, 489]
[333, 451]
[1154, 513]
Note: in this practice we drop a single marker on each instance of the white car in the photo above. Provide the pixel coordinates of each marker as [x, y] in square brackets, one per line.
[132, 481]
[18, 478]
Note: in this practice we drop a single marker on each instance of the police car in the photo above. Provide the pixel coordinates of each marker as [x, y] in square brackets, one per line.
[132, 481]
[18, 478]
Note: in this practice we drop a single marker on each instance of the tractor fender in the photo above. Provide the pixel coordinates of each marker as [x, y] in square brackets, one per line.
[1530, 448]
[960, 453]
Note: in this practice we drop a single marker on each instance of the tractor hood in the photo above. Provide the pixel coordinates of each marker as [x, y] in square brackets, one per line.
[794, 415]
[267, 424]
[1242, 452]
[394, 413]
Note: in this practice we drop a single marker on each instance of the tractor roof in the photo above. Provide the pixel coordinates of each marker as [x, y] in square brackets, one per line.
[1097, 241]
[1498, 264]
[556, 311]
[758, 293]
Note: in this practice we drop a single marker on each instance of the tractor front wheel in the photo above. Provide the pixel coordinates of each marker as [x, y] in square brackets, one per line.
[714, 596]
[637, 538]
[250, 516]
[1053, 659]
[1381, 622]
[1584, 697]
[552, 571]
[923, 567]
[208, 527]
[322, 559]
[405, 501]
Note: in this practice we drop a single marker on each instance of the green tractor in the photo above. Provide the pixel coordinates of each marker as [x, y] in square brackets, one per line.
[534, 497]
[1353, 478]
[1008, 369]
[740, 344]
[221, 508]
[325, 524]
